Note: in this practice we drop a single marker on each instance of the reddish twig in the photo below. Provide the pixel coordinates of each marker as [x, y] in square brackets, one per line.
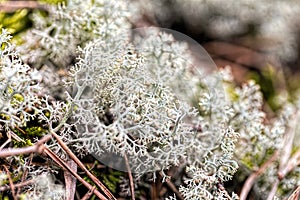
[21, 130]
[252, 178]
[221, 187]
[88, 194]
[273, 190]
[17, 185]
[287, 163]
[154, 193]
[64, 165]
[15, 136]
[173, 188]
[293, 162]
[295, 194]
[70, 181]
[25, 173]
[11, 6]
[6, 142]
[288, 143]
[18, 151]
[36, 148]
[79, 163]
[11, 183]
[130, 177]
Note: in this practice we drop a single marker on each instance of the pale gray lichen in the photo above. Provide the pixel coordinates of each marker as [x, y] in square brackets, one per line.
[57, 37]
[18, 85]
[142, 98]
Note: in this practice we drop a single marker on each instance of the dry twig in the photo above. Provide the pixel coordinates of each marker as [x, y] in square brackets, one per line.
[11, 184]
[130, 177]
[288, 143]
[36, 148]
[88, 194]
[40, 148]
[252, 178]
[293, 162]
[25, 173]
[79, 163]
[65, 166]
[273, 190]
[173, 188]
[18, 185]
[11, 6]
[295, 194]
[70, 181]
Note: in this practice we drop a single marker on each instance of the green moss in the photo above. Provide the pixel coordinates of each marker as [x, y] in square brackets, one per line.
[22, 196]
[6, 198]
[24, 143]
[19, 21]
[230, 91]
[16, 99]
[9, 90]
[30, 131]
[27, 134]
[15, 177]
[247, 161]
[4, 116]
[47, 114]
[35, 131]
[111, 180]
[15, 22]
[267, 78]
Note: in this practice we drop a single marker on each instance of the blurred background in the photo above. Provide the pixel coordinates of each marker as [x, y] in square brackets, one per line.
[260, 40]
